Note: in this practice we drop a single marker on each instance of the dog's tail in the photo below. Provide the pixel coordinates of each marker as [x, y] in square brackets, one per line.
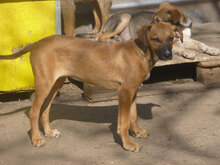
[86, 35]
[26, 49]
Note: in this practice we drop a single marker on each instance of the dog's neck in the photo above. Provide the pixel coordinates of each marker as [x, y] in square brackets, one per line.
[153, 58]
[145, 52]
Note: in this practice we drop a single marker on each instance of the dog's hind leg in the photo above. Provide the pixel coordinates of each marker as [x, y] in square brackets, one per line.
[42, 90]
[97, 16]
[125, 97]
[45, 114]
[105, 9]
[44, 86]
[136, 131]
[107, 34]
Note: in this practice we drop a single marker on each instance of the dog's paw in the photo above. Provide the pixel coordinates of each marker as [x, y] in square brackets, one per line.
[141, 133]
[37, 142]
[189, 54]
[213, 51]
[130, 146]
[52, 133]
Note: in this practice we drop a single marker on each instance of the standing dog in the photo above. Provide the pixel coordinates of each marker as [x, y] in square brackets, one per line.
[121, 66]
[100, 9]
[125, 25]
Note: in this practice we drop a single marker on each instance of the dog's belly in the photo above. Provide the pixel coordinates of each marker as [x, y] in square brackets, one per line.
[107, 84]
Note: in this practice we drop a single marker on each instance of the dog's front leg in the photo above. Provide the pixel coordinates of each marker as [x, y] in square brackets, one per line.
[136, 131]
[180, 50]
[199, 46]
[125, 97]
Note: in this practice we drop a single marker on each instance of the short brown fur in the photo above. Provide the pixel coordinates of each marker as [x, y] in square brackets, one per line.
[121, 66]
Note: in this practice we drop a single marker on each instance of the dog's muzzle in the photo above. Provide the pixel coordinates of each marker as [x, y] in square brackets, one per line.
[167, 55]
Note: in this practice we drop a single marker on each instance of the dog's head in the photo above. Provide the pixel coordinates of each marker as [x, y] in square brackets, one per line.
[158, 38]
[173, 15]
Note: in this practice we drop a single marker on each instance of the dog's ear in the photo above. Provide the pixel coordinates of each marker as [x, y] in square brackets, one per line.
[146, 32]
[164, 4]
[178, 33]
[142, 40]
[174, 15]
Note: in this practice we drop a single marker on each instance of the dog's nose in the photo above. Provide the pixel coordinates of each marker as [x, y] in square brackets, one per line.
[168, 54]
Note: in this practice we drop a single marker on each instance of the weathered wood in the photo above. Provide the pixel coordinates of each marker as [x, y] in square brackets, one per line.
[208, 72]
[94, 93]
[99, 94]
[209, 64]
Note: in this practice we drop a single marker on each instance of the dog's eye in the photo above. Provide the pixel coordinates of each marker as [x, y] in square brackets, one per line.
[171, 39]
[156, 40]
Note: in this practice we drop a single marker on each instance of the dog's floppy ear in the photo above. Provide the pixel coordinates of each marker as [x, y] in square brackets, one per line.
[175, 15]
[164, 4]
[172, 15]
[143, 32]
[178, 33]
[142, 40]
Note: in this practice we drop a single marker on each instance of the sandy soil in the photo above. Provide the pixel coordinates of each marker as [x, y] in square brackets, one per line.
[184, 129]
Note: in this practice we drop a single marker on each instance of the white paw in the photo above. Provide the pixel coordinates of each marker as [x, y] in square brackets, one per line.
[189, 54]
[213, 51]
[53, 133]
[56, 133]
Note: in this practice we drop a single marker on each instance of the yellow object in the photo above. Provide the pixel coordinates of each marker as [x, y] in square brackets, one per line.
[22, 22]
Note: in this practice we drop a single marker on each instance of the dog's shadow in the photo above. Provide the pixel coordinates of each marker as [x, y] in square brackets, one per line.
[95, 114]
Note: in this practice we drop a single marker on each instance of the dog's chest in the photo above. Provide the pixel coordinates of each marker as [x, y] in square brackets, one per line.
[147, 77]
[187, 31]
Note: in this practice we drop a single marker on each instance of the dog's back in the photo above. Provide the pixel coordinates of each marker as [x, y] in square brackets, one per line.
[138, 20]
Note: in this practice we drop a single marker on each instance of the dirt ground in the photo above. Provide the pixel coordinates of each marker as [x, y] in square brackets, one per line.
[184, 129]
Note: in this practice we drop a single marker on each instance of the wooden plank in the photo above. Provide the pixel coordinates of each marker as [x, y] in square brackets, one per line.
[200, 57]
[100, 94]
[208, 72]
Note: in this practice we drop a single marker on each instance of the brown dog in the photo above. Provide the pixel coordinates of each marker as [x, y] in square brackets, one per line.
[121, 66]
[176, 17]
[100, 9]
[126, 24]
